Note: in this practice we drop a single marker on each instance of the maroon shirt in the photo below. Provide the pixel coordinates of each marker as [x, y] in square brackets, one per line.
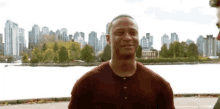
[101, 88]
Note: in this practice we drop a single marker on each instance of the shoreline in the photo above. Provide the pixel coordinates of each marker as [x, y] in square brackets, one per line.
[67, 99]
[98, 63]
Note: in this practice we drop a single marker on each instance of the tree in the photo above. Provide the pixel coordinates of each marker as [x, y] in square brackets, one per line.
[34, 55]
[185, 48]
[192, 50]
[171, 50]
[44, 48]
[178, 49]
[25, 58]
[87, 53]
[164, 51]
[63, 54]
[139, 52]
[75, 49]
[40, 57]
[55, 47]
[48, 55]
[56, 57]
[107, 53]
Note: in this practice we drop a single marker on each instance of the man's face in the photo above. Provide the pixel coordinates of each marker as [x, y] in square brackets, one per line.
[124, 37]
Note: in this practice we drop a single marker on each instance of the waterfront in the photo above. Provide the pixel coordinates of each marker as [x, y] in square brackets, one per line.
[21, 82]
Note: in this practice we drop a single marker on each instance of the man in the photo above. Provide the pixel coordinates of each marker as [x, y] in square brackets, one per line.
[122, 82]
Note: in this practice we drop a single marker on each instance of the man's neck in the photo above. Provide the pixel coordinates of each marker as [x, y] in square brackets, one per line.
[122, 67]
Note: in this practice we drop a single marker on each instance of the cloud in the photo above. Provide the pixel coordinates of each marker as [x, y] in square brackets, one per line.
[2, 4]
[194, 15]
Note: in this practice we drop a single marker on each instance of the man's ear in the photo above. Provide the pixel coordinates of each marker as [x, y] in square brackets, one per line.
[108, 39]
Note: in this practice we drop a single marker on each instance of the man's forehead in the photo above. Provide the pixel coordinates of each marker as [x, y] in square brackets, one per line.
[124, 23]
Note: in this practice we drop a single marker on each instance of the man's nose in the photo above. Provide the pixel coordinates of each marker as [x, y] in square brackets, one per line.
[127, 36]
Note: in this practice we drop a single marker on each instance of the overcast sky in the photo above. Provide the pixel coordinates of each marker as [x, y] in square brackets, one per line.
[188, 18]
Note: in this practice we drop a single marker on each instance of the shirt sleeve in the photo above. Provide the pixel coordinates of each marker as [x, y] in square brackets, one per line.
[81, 96]
[165, 96]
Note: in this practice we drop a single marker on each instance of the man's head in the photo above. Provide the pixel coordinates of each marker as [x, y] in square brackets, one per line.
[123, 31]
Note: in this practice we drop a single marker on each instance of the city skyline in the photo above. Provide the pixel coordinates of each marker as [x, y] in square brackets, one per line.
[186, 18]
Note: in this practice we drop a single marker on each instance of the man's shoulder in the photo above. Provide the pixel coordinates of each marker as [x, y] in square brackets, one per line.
[151, 74]
[95, 71]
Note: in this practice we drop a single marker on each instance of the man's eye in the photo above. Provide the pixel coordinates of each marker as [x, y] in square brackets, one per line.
[133, 33]
[120, 33]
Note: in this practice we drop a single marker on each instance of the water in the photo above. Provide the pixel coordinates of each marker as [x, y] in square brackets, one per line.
[25, 82]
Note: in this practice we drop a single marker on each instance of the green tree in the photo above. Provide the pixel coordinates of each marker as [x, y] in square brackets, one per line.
[63, 54]
[178, 49]
[87, 54]
[25, 58]
[44, 48]
[192, 50]
[48, 55]
[100, 55]
[40, 57]
[171, 50]
[55, 47]
[71, 55]
[75, 50]
[56, 57]
[185, 48]
[107, 53]
[164, 51]
[35, 55]
[139, 52]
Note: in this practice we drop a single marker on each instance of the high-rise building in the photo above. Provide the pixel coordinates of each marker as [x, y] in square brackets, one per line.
[210, 46]
[58, 35]
[83, 35]
[102, 42]
[45, 31]
[93, 41]
[11, 46]
[34, 36]
[174, 37]
[76, 35]
[36, 32]
[165, 40]
[1, 45]
[21, 40]
[200, 44]
[63, 32]
[189, 41]
[80, 41]
[70, 37]
[146, 42]
[149, 40]
[51, 32]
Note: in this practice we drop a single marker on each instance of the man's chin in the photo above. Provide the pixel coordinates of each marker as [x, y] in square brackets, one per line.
[126, 56]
